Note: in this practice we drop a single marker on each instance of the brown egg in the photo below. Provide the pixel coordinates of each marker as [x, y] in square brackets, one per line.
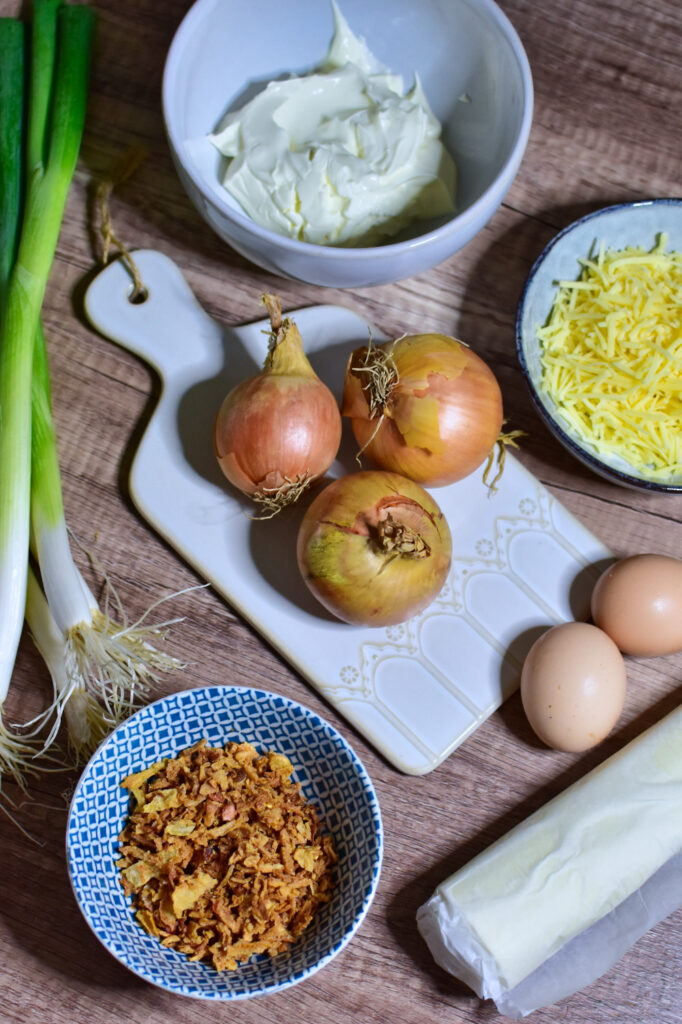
[638, 602]
[573, 686]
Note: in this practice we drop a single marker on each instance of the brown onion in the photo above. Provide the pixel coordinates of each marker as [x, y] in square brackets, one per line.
[425, 405]
[374, 548]
[278, 431]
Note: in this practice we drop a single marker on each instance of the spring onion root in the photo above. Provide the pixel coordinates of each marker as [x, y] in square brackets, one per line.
[87, 721]
[116, 658]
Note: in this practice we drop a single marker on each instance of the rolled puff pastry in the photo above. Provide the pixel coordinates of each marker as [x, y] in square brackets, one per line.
[574, 870]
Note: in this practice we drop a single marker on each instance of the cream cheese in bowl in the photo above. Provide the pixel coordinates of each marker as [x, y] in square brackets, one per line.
[469, 62]
[340, 156]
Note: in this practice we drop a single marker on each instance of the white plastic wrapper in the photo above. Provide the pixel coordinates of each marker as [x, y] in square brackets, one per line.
[552, 905]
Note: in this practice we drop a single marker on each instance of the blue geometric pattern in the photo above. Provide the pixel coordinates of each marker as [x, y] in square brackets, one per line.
[331, 776]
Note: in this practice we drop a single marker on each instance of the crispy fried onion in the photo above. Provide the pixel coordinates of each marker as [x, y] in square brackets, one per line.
[222, 855]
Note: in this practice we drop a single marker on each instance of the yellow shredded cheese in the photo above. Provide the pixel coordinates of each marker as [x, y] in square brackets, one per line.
[611, 355]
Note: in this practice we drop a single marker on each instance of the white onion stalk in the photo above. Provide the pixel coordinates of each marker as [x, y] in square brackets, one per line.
[100, 669]
[58, 74]
[87, 721]
[115, 660]
[15, 752]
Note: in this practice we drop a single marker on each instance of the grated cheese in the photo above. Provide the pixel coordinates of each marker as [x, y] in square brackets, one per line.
[611, 355]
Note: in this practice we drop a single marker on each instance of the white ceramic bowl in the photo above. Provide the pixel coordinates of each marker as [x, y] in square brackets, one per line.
[475, 75]
[625, 224]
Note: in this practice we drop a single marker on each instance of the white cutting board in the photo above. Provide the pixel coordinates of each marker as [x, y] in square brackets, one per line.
[521, 561]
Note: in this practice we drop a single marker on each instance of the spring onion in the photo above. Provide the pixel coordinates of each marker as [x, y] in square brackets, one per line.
[99, 668]
[114, 661]
[108, 666]
[15, 751]
[88, 721]
[60, 47]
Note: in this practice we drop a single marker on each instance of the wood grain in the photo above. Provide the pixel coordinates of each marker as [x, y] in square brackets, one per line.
[607, 127]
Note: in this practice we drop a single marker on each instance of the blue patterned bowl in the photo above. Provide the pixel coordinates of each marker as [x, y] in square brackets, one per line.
[331, 776]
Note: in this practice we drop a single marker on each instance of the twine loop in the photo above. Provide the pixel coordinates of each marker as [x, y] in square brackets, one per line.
[110, 240]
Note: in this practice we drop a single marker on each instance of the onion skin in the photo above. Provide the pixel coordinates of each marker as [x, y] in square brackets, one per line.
[355, 574]
[441, 418]
[272, 429]
[279, 430]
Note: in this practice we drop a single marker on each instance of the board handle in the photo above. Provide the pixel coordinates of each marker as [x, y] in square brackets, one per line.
[167, 328]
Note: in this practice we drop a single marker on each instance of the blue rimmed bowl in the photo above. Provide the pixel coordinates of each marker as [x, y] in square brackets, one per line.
[619, 226]
[331, 776]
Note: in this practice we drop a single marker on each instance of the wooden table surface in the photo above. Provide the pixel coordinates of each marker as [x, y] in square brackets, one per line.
[607, 127]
